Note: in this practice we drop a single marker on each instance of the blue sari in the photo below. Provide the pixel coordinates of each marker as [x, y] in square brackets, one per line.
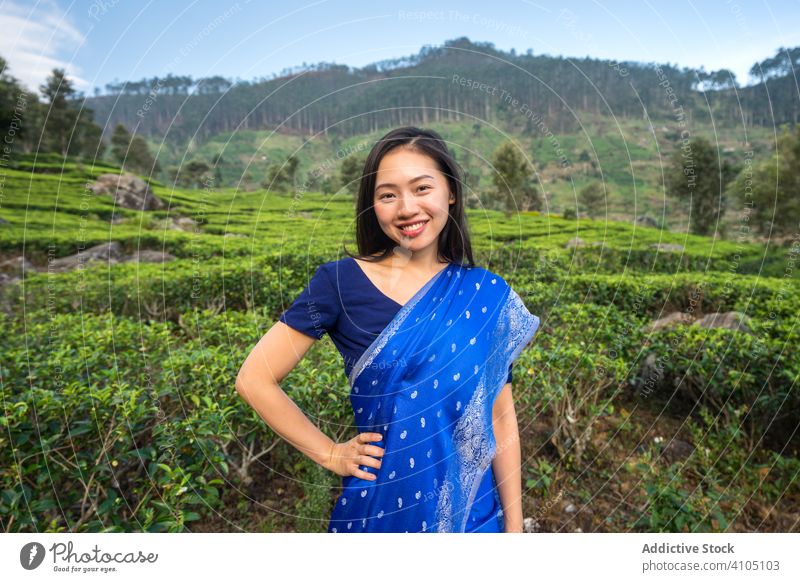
[427, 384]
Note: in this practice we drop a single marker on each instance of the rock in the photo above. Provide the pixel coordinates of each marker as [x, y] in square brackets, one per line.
[671, 320]
[575, 242]
[16, 265]
[729, 320]
[6, 279]
[570, 508]
[129, 191]
[645, 220]
[670, 248]
[650, 374]
[145, 256]
[108, 252]
[13, 269]
[184, 223]
[677, 451]
[530, 525]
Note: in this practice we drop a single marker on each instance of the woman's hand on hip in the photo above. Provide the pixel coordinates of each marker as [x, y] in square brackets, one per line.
[346, 458]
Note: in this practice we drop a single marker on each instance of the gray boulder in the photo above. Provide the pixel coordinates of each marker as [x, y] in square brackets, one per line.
[184, 223]
[729, 320]
[129, 191]
[145, 256]
[107, 252]
[650, 374]
[667, 247]
[671, 320]
[16, 265]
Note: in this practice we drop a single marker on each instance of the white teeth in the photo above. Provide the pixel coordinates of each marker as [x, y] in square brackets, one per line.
[412, 227]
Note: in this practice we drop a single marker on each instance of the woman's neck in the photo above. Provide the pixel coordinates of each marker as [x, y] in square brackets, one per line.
[422, 261]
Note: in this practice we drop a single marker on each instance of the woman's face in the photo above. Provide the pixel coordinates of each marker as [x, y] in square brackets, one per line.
[410, 189]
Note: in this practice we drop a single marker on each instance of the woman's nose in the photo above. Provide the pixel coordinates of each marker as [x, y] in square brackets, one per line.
[408, 204]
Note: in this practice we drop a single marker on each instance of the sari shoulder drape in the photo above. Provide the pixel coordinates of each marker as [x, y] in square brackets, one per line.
[428, 384]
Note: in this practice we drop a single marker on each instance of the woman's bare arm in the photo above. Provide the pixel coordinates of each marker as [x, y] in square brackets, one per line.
[508, 458]
[258, 383]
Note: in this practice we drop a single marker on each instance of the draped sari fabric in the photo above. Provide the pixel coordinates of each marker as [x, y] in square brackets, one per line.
[427, 384]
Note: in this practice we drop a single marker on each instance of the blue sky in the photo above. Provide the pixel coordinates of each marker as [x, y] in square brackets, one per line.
[98, 41]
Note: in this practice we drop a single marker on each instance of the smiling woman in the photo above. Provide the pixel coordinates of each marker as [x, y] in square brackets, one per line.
[428, 339]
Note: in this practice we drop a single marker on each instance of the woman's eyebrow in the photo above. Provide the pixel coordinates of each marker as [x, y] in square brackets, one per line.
[410, 181]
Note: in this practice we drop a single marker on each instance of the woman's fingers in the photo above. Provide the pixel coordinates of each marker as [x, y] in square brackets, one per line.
[356, 453]
[364, 455]
[364, 475]
[372, 450]
[369, 461]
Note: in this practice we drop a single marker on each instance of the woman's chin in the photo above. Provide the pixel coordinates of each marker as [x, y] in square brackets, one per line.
[416, 243]
[413, 244]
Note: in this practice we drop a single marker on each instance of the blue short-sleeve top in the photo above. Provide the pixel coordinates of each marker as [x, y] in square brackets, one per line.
[340, 300]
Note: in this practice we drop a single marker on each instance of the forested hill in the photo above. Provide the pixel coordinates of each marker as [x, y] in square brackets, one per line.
[453, 82]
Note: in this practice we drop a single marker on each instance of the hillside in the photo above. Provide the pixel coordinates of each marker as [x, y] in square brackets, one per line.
[460, 80]
[118, 376]
[578, 120]
[628, 156]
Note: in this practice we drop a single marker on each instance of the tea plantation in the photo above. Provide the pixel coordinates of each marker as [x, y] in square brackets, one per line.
[119, 406]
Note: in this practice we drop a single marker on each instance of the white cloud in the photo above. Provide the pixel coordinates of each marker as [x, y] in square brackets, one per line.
[37, 38]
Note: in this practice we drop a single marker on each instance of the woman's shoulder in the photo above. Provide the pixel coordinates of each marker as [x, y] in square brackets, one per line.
[337, 265]
[336, 272]
[483, 274]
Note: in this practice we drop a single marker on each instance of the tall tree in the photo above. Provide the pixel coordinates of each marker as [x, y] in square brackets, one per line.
[132, 152]
[140, 160]
[120, 143]
[591, 197]
[513, 179]
[699, 176]
[770, 191]
[88, 139]
[61, 116]
[217, 163]
[13, 103]
[350, 172]
[195, 173]
[281, 177]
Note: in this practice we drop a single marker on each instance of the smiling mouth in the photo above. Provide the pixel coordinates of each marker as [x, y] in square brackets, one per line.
[415, 228]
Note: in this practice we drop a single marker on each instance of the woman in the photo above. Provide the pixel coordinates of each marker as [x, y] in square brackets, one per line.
[428, 340]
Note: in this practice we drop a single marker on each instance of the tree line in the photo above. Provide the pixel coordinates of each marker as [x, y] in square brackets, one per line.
[767, 192]
[58, 121]
[419, 89]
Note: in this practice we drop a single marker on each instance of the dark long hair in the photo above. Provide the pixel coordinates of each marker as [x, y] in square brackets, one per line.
[454, 242]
